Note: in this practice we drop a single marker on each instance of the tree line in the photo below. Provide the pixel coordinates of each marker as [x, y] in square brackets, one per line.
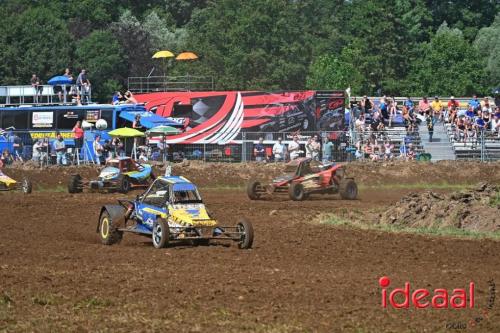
[393, 47]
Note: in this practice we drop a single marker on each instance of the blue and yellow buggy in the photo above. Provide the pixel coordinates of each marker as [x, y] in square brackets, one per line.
[120, 174]
[170, 210]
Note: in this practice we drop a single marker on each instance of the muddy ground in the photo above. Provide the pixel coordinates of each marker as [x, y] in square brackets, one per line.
[300, 276]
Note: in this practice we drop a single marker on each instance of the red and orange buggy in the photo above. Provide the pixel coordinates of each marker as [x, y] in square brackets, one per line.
[305, 176]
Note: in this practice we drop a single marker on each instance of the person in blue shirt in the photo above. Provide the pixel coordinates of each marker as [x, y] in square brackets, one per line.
[409, 105]
[470, 112]
[117, 98]
[474, 103]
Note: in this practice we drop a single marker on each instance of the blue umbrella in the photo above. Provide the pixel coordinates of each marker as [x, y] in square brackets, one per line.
[60, 80]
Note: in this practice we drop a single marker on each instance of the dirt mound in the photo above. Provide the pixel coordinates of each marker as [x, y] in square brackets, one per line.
[475, 210]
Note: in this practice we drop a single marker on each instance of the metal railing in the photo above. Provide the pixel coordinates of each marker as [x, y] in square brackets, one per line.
[20, 145]
[42, 94]
[147, 84]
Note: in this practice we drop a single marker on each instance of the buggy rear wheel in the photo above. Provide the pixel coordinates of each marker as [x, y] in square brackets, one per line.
[161, 233]
[26, 186]
[124, 184]
[107, 231]
[348, 189]
[75, 184]
[246, 229]
[252, 187]
[297, 192]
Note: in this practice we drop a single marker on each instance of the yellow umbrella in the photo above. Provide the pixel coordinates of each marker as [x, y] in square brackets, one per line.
[186, 56]
[126, 132]
[163, 54]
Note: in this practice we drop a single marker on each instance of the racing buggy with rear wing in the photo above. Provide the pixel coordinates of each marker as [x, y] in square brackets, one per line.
[305, 176]
[170, 210]
[120, 175]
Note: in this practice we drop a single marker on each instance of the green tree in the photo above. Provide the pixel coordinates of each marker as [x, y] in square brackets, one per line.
[488, 44]
[449, 65]
[24, 50]
[251, 45]
[332, 72]
[102, 56]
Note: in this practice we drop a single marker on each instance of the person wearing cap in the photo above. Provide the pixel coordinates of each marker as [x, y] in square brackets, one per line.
[437, 108]
[453, 104]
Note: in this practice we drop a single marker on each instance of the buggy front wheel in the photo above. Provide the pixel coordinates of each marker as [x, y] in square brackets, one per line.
[107, 231]
[26, 186]
[161, 233]
[245, 229]
[348, 189]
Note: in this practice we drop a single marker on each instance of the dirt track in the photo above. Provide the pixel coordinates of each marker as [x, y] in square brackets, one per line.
[300, 276]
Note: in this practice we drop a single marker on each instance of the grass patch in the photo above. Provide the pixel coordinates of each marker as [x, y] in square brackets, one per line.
[93, 303]
[335, 220]
[57, 189]
[5, 300]
[495, 200]
[44, 299]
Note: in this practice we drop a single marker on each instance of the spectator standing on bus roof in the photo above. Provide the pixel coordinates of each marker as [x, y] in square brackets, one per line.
[327, 150]
[260, 151]
[36, 83]
[130, 97]
[83, 84]
[60, 148]
[279, 151]
[117, 98]
[98, 149]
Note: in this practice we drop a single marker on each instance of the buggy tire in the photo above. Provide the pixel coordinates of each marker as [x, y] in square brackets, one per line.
[124, 184]
[348, 189]
[161, 233]
[74, 185]
[26, 186]
[297, 192]
[107, 231]
[246, 228]
[252, 190]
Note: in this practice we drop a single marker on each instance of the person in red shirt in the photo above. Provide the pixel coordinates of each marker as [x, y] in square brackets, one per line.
[452, 103]
[78, 134]
[424, 107]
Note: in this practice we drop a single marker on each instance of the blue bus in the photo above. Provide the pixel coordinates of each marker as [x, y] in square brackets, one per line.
[30, 123]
